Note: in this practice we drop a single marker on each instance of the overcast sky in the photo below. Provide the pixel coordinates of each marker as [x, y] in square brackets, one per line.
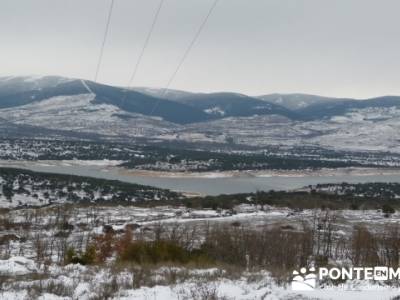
[335, 48]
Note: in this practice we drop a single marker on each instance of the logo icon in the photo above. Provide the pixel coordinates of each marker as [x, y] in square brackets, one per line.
[381, 273]
[303, 280]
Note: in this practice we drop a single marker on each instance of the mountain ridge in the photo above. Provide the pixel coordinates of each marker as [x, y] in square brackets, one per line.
[75, 108]
[182, 107]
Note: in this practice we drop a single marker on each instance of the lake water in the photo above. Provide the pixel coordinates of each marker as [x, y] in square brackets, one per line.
[215, 186]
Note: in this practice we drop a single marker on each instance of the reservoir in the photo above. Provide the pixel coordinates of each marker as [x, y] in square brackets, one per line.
[212, 184]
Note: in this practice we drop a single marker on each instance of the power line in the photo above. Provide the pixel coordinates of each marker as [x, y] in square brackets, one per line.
[141, 55]
[186, 54]
[107, 29]
[149, 34]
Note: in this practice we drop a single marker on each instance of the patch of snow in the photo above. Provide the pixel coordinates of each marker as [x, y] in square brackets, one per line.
[215, 111]
[17, 265]
[82, 291]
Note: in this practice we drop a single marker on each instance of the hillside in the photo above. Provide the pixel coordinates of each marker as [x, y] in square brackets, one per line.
[73, 108]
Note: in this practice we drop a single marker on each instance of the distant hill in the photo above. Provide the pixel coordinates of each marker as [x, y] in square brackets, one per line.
[135, 102]
[222, 104]
[176, 106]
[169, 94]
[234, 105]
[54, 106]
[19, 91]
[318, 107]
[342, 106]
[296, 101]
[182, 107]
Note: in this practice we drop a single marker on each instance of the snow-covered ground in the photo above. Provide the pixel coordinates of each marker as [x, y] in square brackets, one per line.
[23, 276]
[373, 129]
[76, 282]
[78, 113]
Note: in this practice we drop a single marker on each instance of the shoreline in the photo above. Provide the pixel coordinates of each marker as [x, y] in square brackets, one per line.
[261, 173]
[109, 165]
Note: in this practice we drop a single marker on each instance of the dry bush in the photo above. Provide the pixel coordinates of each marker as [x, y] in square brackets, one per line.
[104, 245]
[275, 249]
[142, 276]
[122, 244]
[364, 247]
[107, 290]
[154, 252]
[88, 257]
[390, 246]
[323, 233]
[201, 290]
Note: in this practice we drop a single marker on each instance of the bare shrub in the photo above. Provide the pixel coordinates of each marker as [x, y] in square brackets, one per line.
[200, 290]
[275, 249]
[107, 290]
[390, 246]
[364, 247]
[142, 276]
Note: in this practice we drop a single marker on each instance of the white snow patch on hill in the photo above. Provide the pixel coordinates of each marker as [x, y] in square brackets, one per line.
[78, 113]
[215, 111]
[370, 129]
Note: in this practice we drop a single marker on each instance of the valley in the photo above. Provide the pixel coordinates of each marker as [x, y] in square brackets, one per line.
[115, 193]
[72, 108]
[105, 246]
[199, 150]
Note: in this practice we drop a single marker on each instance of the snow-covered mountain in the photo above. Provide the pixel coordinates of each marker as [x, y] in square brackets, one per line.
[64, 107]
[169, 94]
[296, 101]
[221, 105]
[125, 100]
